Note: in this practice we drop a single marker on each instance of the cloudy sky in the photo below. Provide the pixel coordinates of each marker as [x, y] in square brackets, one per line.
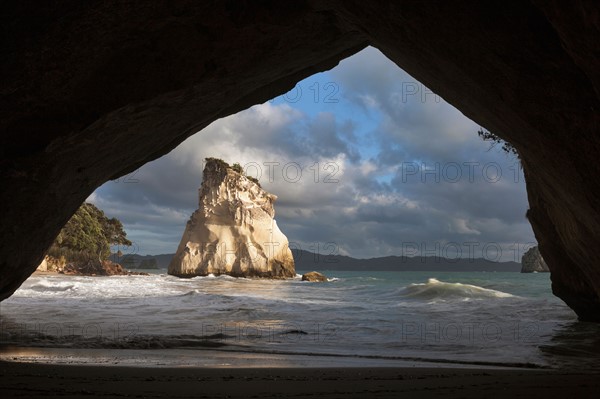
[365, 161]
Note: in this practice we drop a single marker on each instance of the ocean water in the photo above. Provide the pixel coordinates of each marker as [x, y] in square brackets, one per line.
[371, 318]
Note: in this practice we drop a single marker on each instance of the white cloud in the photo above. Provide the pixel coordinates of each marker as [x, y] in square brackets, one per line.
[460, 226]
[328, 191]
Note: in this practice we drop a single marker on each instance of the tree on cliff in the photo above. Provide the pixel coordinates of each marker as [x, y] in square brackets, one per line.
[495, 139]
[236, 167]
[88, 235]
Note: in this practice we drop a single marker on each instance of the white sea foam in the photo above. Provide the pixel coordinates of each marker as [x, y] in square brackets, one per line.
[434, 289]
[362, 313]
[47, 286]
[99, 287]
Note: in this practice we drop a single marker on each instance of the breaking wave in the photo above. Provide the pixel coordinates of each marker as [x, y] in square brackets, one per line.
[460, 317]
[45, 286]
[435, 289]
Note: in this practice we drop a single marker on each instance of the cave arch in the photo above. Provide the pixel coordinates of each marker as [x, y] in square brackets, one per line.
[93, 91]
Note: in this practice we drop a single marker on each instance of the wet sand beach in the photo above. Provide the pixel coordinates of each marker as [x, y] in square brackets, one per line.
[43, 381]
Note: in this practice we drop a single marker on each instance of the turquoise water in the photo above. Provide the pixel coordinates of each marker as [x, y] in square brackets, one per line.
[439, 317]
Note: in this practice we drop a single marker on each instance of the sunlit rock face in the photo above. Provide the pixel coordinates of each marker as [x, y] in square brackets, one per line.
[233, 231]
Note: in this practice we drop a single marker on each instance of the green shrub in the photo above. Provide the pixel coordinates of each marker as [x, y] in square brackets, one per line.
[88, 235]
[218, 161]
[238, 168]
[495, 139]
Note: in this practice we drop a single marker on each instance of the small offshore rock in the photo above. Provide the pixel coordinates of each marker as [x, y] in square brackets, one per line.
[532, 261]
[314, 277]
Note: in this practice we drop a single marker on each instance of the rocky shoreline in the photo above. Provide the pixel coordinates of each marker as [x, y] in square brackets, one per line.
[94, 267]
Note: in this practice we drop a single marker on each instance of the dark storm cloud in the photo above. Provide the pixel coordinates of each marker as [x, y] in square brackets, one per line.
[327, 138]
[423, 142]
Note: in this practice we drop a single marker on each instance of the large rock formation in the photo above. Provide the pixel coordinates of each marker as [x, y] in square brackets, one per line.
[93, 90]
[233, 231]
[532, 261]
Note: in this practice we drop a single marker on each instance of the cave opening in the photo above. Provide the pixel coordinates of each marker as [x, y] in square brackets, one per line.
[93, 91]
[362, 135]
[367, 163]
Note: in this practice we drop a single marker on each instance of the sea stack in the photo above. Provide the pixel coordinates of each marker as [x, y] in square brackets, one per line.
[233, 231]
[532, 261]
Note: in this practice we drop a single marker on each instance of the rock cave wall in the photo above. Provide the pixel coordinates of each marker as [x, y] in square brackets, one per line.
[93, 90]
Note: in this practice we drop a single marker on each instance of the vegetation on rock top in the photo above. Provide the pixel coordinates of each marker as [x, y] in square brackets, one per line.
[88, 235]
[495, 139]
[235, 167]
